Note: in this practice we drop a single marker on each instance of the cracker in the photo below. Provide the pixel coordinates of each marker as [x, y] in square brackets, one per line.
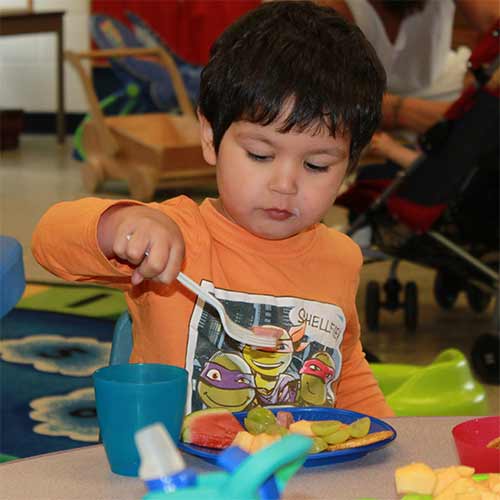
[374, 437]
[494, 443]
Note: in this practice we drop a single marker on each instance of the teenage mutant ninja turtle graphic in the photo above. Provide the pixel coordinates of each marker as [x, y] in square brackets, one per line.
[226, 381]
[301, 371]
[316, 375]
[274, 382]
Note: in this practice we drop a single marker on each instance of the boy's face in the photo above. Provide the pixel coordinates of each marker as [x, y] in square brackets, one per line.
[276, 184]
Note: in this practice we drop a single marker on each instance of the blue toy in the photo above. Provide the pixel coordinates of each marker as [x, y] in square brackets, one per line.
[155, 83]
[12, 280]
[191, 73]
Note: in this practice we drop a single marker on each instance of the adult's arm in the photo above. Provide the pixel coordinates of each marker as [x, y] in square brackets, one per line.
[479, 14]
[413, 113]
[420, 114]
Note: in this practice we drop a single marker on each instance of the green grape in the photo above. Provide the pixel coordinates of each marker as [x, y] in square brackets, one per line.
[326, 427]
[339, 436]
[262, 415]
[254, 427]
[360, 428]
[319, 445]
[274, 429]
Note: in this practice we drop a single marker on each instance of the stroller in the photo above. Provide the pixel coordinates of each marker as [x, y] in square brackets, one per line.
[442, 212]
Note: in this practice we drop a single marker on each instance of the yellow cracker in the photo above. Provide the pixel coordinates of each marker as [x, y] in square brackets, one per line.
[494, 443]
[374, 437]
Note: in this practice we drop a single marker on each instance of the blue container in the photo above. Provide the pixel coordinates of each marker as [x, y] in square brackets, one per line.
[132, 396]
[12, 280]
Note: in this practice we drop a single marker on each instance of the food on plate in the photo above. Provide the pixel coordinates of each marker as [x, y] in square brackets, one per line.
[218, 428]
[360, 427]
[318, 445]
[374, 437]
[494, 443]
[339, 436]
[244, 440]
[446, 483]
[327, 435]
[303, 427]
[251, 443]
[212, 428]
[325, 427]
[261, 420]
[262, 440]
[284, 418]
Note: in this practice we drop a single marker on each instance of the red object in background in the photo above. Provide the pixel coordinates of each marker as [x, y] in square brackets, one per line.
[471, 438]
[189, 27]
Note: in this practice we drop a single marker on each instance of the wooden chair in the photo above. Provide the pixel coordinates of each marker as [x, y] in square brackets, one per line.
[148, 151]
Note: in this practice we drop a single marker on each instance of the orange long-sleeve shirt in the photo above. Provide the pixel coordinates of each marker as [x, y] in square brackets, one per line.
[304, 286]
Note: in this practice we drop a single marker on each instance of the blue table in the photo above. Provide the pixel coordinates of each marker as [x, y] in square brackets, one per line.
[12, 279]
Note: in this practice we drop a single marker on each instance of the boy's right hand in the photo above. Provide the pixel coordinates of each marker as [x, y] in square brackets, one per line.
[145, 238]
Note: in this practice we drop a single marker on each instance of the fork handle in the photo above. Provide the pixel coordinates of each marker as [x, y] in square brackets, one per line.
[208, 297]
[194, 287]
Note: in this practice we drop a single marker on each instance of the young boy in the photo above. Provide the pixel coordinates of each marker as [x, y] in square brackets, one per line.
[290, 96]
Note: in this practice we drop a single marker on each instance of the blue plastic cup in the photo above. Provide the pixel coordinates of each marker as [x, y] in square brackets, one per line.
[132, 396]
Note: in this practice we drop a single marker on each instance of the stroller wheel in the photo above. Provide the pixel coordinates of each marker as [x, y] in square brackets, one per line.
[484, 356]
[411, 306]
[446, 289]
[372, 305]
[477, 299]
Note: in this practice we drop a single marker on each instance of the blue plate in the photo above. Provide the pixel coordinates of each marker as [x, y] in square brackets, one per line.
[313, 413]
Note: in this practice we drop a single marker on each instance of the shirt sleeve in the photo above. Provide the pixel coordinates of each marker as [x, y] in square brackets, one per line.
[358, 389]
[65, 243]
[65, 239]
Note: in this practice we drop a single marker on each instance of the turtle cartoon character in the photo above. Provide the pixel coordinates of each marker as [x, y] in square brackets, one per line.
[226, 381]
[274, 386]
[316, 376]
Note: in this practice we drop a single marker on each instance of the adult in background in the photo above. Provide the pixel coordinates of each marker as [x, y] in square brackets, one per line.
[413, 40]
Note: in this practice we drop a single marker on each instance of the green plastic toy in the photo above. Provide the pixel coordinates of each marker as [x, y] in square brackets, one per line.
[446, 387]
[132, 91]
[278, 462]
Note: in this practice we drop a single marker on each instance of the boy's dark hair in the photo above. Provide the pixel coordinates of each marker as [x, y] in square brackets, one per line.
[299, 52]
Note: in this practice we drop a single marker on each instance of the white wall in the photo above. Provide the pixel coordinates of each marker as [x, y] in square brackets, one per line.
[28, 63]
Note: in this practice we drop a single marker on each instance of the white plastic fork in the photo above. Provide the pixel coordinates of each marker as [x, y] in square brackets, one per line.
[235, 331]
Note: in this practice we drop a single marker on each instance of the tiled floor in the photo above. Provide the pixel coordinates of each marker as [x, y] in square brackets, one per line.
[41, 173]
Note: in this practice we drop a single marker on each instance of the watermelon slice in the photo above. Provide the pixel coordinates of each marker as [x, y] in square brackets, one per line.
[213, 428]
